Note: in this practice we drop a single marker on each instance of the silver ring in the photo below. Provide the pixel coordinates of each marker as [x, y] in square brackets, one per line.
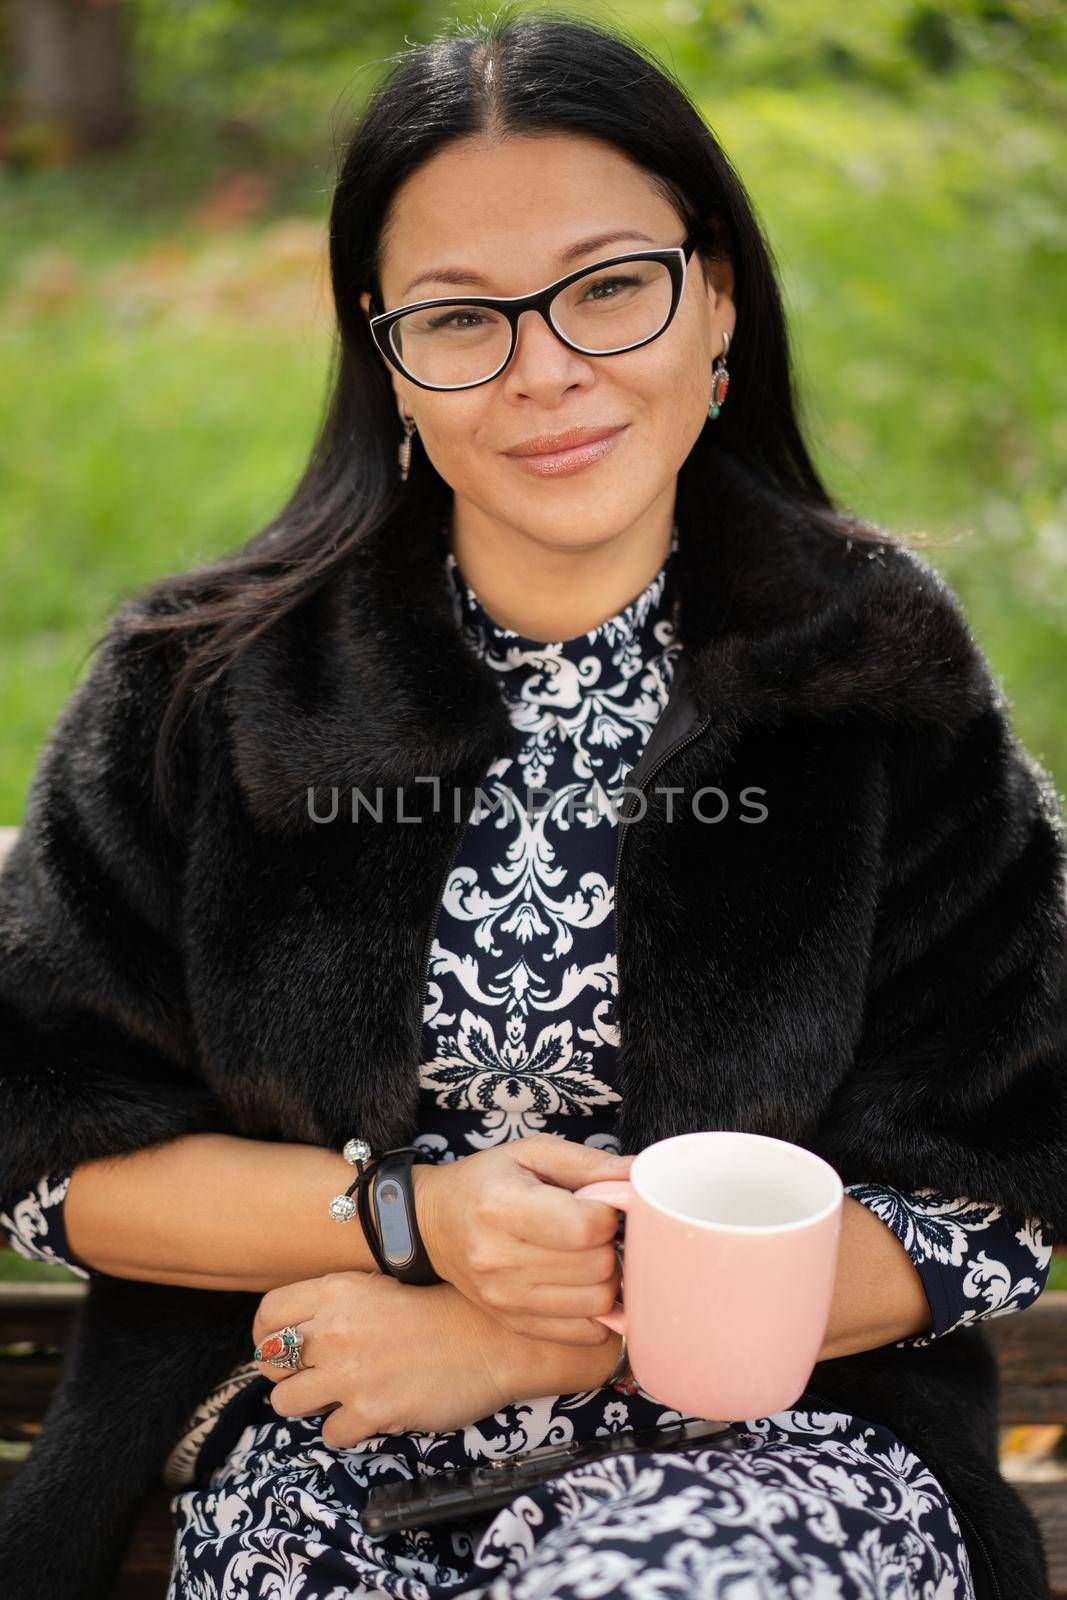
[282, 1349]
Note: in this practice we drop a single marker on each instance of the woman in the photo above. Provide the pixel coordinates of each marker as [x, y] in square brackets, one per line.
[224, 957]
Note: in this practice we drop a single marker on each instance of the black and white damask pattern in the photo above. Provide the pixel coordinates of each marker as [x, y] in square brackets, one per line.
[35, 1226]
[519, 1036]
[974, 1261]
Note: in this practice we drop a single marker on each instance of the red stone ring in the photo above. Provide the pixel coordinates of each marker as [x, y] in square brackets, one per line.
[282, 1349]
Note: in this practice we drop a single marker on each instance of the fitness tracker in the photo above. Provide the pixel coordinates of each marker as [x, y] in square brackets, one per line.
[389, 1221]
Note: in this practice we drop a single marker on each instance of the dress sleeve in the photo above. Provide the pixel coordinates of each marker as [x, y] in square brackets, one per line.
[36, 1228]
[974, 1260]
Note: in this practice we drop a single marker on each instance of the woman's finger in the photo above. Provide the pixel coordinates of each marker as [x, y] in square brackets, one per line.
[538, 1212]
[286, 1305]
[550, 1300]
[302, 1394]
[538, 1263]
[559, 1330]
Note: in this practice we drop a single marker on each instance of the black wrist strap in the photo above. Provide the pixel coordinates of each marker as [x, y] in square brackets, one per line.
[388, 1216]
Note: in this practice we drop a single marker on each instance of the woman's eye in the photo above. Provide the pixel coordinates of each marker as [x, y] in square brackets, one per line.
[612, 283]
[454, 319]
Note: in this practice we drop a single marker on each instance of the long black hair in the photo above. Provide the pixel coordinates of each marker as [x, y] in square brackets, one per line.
[515, 73]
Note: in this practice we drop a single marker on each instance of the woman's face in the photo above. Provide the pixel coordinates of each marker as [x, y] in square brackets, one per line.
[507, 210]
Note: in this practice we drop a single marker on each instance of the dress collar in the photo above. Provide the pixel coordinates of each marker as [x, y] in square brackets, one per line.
[560, 672]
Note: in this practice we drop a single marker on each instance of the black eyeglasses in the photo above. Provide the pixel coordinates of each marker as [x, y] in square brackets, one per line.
[459, 342]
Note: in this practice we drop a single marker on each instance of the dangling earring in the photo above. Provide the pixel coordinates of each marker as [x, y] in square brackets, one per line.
[404, 453]
[720, 378]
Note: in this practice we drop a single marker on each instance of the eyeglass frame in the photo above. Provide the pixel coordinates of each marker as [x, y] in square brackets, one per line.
[675, 257]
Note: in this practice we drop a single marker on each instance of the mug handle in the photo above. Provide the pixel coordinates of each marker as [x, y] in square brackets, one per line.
[619, 1193]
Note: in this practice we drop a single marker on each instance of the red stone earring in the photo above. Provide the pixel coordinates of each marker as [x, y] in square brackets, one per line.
[720, 379]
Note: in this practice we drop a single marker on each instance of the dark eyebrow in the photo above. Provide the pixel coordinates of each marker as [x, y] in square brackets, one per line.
[464, 277]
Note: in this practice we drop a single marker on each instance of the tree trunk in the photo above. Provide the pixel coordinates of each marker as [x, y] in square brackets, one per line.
[72, 67]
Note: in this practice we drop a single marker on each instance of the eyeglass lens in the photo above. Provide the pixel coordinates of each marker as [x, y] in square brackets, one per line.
[607, 311]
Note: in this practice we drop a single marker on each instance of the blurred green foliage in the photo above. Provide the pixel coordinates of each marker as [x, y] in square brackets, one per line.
[15, 1269]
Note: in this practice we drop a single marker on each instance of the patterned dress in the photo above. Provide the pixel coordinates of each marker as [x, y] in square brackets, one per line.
[519, 1036]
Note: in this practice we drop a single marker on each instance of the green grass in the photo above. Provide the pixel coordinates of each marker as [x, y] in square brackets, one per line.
[167, 430]
[15, 1269]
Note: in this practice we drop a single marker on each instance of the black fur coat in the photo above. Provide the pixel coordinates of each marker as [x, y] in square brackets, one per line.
[877, 971]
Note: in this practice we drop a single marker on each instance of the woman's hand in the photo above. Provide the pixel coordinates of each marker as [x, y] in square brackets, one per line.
[386, 1357]
[503, 1226]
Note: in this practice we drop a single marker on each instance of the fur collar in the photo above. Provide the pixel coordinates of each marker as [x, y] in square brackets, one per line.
[778, 616]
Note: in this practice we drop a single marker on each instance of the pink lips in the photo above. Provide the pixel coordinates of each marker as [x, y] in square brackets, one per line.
[561, 463]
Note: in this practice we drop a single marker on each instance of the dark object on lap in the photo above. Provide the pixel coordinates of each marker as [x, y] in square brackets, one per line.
[454, 1496]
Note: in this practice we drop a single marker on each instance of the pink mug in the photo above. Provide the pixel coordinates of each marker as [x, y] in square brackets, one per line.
[729, 1259]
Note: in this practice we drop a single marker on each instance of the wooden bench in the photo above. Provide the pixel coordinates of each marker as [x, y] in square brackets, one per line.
[34, 1324]
[1031, 1350]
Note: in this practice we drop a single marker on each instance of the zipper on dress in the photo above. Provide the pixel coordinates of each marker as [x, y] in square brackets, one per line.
[968, 1526]
[679, 744]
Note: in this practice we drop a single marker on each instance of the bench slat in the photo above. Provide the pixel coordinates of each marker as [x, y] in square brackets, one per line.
[40, 1313]
[26, 1387]
[1031, 1349]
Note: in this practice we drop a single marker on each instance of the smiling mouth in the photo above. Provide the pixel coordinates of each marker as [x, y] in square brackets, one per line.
[547, 444]
[573, 458]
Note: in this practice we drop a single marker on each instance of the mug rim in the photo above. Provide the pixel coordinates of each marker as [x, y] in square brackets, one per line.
[737, 1227]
